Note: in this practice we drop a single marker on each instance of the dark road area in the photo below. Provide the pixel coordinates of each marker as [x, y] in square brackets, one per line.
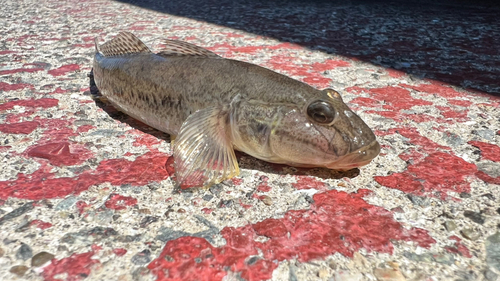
[456, 42]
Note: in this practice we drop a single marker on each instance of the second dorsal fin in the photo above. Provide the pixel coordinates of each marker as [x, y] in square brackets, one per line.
[123, 43]
[180, 48]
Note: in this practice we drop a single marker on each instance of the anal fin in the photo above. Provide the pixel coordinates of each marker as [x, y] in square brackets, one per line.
[203, 149]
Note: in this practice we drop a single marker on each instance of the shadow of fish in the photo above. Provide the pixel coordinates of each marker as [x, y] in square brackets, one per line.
[213, 105]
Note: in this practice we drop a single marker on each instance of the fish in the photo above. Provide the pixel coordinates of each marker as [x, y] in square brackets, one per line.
[212, 106]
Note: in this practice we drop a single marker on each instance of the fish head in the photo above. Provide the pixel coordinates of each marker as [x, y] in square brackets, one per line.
[321, 132]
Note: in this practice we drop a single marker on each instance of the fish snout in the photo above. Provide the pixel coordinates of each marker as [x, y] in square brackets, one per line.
[357, 158]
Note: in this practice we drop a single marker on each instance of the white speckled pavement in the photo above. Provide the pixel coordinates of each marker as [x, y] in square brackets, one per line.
[86, 193]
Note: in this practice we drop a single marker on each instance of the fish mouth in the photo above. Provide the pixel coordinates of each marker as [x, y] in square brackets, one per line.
[357, 158]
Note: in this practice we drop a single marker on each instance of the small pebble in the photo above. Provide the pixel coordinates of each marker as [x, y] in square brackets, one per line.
[24, 252]
[470, 234]
[142, 258]
[128, 238]
[492, 246]
[267, 200]
[208, 197]
[426, 257]
[485, 133]
[216, 189]
[19, 270]
[388, 274]
[489, 196]
[453, 139]
[323, 273]
[41, 259]
[418, 200]
[167, 213]
[252, 260]
[397, 210]
[147, 221]
[492, 169]
[144, 211]
[450, 225]
[66, 203]
[443, 258]
[26, 207]
[342, 275]
[474, 216]
[225, 203]
[449, 215]
[292, 276]
[465, 195]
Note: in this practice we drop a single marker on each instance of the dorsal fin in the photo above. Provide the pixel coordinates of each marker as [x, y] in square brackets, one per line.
[123, 43]
[96, 44]
[180, 48]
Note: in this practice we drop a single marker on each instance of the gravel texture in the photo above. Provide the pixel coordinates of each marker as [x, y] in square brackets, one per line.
[86, 193]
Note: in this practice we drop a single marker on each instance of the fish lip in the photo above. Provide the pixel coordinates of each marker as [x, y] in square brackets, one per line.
[357, 158]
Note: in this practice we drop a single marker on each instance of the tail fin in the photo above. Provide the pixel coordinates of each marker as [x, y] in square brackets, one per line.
[123, 43]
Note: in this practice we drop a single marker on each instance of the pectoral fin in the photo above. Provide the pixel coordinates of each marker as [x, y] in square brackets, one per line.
[203, 149]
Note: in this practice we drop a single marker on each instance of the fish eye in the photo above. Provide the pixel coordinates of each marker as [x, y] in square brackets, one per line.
[321, 112]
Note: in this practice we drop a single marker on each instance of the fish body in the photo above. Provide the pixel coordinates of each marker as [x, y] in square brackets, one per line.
[213, 105]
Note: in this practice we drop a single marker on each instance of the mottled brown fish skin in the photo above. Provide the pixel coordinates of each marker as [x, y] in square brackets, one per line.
[173, 88]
